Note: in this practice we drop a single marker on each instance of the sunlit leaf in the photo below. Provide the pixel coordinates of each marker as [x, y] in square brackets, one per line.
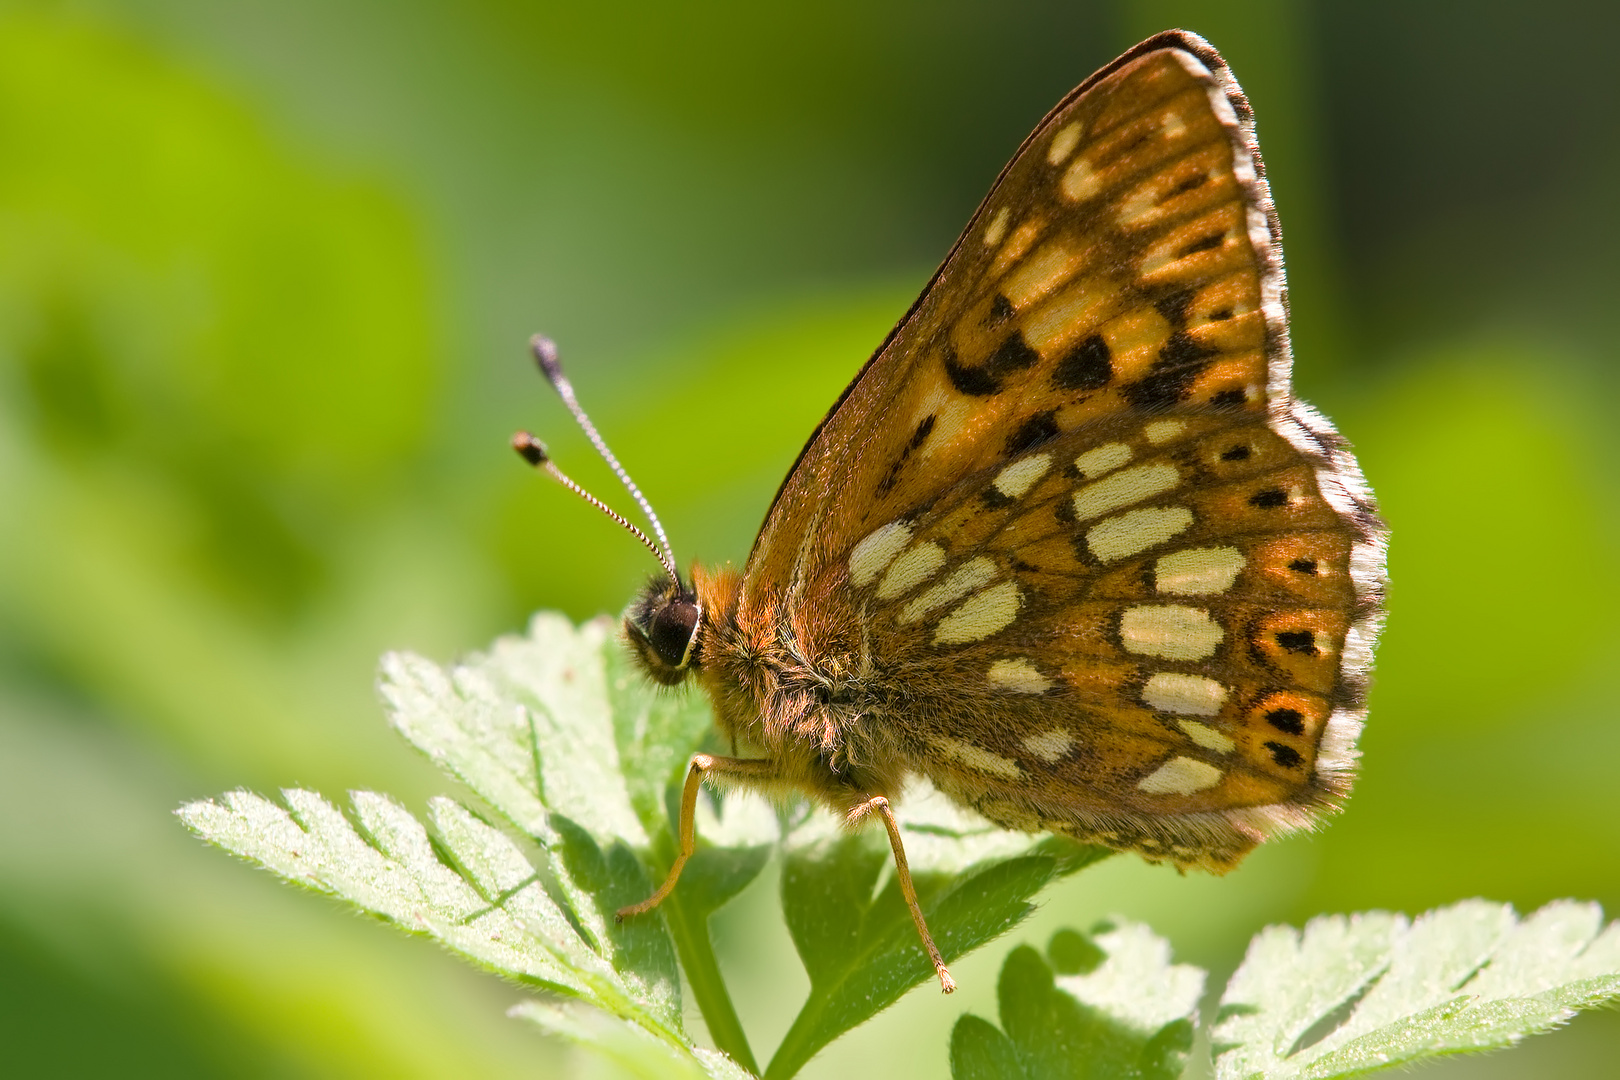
[1357, 994]
[558, 733]
[528, 728]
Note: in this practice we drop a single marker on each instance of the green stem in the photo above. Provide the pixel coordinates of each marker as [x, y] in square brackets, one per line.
[690, 929]
[801, 1043]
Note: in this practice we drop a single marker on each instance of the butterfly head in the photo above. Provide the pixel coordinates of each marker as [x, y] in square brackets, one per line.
[662, 626]
[663, 623]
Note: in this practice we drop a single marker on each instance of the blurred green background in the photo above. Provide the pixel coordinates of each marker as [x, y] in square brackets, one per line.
[267, 269]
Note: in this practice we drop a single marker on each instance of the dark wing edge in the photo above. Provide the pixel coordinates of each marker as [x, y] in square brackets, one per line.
[1338, 474]
[1342, 485]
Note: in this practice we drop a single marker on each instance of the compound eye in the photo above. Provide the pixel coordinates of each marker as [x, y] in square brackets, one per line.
[672, 628]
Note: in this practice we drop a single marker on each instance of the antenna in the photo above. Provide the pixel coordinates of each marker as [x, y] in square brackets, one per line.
[534, 451]
[545, 352]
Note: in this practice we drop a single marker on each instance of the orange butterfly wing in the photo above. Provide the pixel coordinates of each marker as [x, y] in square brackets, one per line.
[1091, 564]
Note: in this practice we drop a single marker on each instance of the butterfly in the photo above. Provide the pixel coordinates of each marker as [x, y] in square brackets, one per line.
[1068, 545]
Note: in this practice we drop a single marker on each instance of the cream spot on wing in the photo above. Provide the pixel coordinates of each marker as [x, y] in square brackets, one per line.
[1105, 458]
[1136, 531]
[1155, 199]
[1198, 571]
[1173, 126]
[980, 615]
[976, 757]
[1180, 776]
[1050, 746]
[1123, 488]
[1080, 181]
[1170, 631]
[997, 229]
[1015, 247]
[1019, 676]
[1063, 144]
[910, 570]
[1020, 476]
[1138, 205]
[950, 411]
[1206, 736]
[961, 581]
[1058, 321]
[1162, 431]
[1171, 253]
[868, 558]
[1049, 266]
[951, 422]
[1170, 691]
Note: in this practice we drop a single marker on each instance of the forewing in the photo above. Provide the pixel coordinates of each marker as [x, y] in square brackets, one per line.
[1125, 261]
[993, 519]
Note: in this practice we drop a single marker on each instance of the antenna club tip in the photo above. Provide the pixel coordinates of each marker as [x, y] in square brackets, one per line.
[530, 449]
[545, 353]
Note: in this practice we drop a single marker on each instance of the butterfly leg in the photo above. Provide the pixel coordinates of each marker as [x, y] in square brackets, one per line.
[903, 872]
[702, 765]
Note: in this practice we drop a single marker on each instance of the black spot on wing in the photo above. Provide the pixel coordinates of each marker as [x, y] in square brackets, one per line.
[920, 436]
[1087, 366]
[1303, 566]
[1286, 720]
[972, 381]
[1013, 354]
[1038, 429]
[1172, 374]
[1297, 641]
[1208, 243]
[1236, 453]
[1173, 306]
[1269, 499]
[995, 499]
[1286, 756]
[1193, 182]
[892, 477]
[1001, 310]
[1182, 351]
[1227, 399]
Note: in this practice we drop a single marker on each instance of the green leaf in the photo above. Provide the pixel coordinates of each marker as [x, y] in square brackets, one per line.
[1099, 1006]
[979, 1051]
[641, 949]
[558, 727]
[857, 941]
[656, 733]
[476, 892]
[560, 736]
[489, 905]
[526, 725]
[539, 728]
[1359, 994]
